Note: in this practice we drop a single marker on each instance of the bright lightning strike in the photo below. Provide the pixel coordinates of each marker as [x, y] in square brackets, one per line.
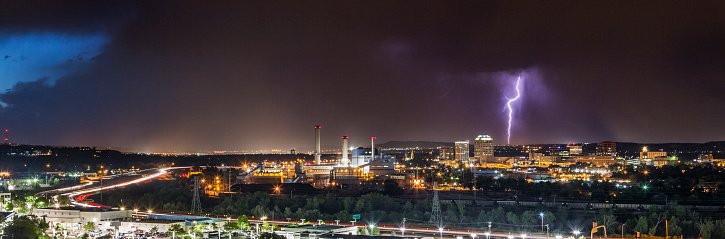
[511, 110]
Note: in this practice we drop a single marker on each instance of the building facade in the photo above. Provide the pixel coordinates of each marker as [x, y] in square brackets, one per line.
[607, 148]
[446, 153]
[483, 148]
[462, 152]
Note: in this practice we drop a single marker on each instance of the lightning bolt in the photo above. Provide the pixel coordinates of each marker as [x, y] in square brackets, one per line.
[511, 110]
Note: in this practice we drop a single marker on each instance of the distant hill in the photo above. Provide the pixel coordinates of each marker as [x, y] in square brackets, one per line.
[413, 144]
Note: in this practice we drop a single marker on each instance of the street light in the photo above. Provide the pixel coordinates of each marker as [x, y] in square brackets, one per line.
[576, 233]
[488, 234]
[372, 227]
[440, 229]
[542, 221]
[473, 235]
[523, 235]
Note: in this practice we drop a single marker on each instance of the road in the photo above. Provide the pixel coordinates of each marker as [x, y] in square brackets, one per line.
[78, 192]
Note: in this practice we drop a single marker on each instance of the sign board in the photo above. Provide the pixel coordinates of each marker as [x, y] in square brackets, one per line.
[356, 216]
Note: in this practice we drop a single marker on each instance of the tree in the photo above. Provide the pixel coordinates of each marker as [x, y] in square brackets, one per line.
[177, 229]
[657, 218]
[243, 222]
[89, 226]
[22, 228]
[391, 187]
[228, 226]
[706, 229]
[204, 226]
[461, 211]
[549, 218]
[512, 218]
[606, 218]
[154, 230]
[496, 215]
[642, 225]
[270, 235]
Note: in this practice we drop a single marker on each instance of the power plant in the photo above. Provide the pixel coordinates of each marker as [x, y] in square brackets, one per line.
[318, 151]
[362, 166]
[344, 161]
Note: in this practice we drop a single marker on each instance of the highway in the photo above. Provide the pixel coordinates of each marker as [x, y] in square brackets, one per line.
[82, 193]
[78, 192]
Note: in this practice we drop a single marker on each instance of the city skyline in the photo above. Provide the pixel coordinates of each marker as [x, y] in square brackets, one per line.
[259, 75]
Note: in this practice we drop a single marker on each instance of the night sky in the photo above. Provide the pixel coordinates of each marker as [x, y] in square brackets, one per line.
[248, 75]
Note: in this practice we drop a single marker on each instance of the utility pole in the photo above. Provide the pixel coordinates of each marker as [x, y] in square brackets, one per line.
[101, 186]
[435, 217]
[473, 171]
[196, 202]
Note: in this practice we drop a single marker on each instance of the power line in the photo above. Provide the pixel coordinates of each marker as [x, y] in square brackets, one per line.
[196, 202]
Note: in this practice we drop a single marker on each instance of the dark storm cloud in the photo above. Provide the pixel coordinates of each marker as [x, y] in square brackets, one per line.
[75, 17]
[260, 74]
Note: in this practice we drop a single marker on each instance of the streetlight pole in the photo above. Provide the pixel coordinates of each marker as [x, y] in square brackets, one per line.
[623, 229]
[542, 221]
[402, 229]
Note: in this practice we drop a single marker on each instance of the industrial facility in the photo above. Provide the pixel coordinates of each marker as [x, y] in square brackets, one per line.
[355, 167]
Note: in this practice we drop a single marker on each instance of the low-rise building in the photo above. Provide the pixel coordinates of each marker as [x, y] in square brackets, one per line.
[80, 214]
[316, 231]
[596, 160]
[145, 225]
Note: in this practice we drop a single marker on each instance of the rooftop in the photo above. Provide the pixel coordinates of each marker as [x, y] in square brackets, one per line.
[82, 209]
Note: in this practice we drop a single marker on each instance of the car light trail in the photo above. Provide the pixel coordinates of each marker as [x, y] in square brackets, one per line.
[72, 195]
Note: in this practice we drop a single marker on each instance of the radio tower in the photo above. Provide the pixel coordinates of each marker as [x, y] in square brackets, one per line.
[6, 136]
[435, 216]
[196, 202]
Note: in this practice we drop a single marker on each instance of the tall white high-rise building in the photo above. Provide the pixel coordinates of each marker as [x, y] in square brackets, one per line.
[483, 148]
[462, 152]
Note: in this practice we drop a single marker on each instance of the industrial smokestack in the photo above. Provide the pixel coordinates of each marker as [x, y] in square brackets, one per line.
[318, 152]
[344, 161]
[372, 147]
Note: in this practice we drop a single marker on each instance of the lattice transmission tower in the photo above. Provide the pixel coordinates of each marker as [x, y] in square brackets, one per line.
[435, 215]
[196, 202]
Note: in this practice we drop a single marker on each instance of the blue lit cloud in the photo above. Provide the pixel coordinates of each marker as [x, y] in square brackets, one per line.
[31, 56]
